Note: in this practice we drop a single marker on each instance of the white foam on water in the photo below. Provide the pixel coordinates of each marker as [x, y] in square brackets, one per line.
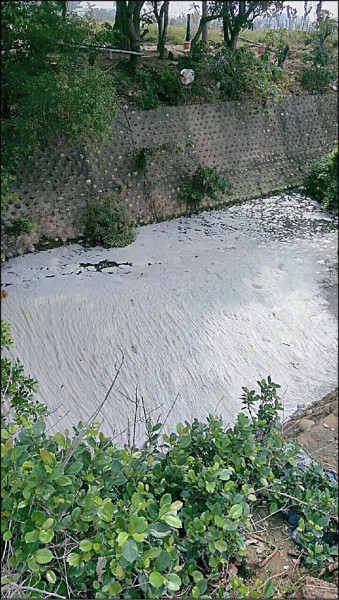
[211, 303]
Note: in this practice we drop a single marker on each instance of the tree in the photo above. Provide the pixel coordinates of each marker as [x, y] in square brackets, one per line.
[292, 13]
[161, 12]
[236, 16]
[47, 96]
[128, 23]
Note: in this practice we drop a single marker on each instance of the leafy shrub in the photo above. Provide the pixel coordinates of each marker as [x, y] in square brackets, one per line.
[206, 182]
[279, 40]
[77, 107]
[320, 69]
[161, 86]
[19, 226]
[322, 180]
[49, 93]
[84, 518]
[242, 75]
[7, 195]
[108, 223]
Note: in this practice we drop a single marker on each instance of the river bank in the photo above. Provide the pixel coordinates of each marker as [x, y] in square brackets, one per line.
[316, 429]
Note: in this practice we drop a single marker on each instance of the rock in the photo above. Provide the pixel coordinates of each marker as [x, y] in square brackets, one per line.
[306, 424]
[334, 407]
[317, 588]
[331, 420]
[31, 248]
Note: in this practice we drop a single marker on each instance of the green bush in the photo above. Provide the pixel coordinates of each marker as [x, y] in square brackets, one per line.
[322, 180]
[206, 182]
[49, 92]
[159, 86]
[19, 226]
[74, 107]
[108, 223]
[320, 68]
[84, 518]
[242, 75]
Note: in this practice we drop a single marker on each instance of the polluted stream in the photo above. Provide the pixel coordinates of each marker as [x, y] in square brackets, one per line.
[197, 307]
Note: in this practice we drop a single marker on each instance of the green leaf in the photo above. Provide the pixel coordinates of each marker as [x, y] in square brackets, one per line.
[163, 561]
[220, 545]
[172, 582]
[236, 511]
[43, 556]
[46, 456]
[86, 546]
[138, 524]
[122, 537]
[45, 536]
[130, 550]
[56, 473]
[223, 474]
[114, 588]
[48, 523]
[73, 559]
[219, 521]
[159, 530]
[7, 536]
[31, 536]
[269, 589]
[176, 505]
[210, 486]
[165, 499]
[38, 428]
[59, 438]
[74, 468]
[156, 579]
[63, 481]
[51, 576]
[172, 520]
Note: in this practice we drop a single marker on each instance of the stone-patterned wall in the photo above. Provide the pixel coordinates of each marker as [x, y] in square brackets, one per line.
[260, 152]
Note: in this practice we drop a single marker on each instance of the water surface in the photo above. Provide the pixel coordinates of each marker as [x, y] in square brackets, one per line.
[198, 306]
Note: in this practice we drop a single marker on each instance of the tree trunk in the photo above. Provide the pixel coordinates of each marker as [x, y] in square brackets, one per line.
[205, 30]
[121, 23]
[234, 39]
[188, 29]
[162, 20]
[319, 11]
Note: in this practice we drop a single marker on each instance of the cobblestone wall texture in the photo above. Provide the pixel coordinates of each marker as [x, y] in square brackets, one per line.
[259, 151]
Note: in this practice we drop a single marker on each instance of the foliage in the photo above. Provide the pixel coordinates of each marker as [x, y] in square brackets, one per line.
[278, 41]
[159, 86]
[49, 92]
[108, 223]
[83, 518]
[7, 196]
[206, 182]
[242, 75]
[18, 226]
[320, 69]
[322, 180]
[236, 17]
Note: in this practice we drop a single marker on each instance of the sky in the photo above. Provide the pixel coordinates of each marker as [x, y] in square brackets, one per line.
[177, 7]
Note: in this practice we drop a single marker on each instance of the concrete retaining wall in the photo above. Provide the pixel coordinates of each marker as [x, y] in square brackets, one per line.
[260, 152]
